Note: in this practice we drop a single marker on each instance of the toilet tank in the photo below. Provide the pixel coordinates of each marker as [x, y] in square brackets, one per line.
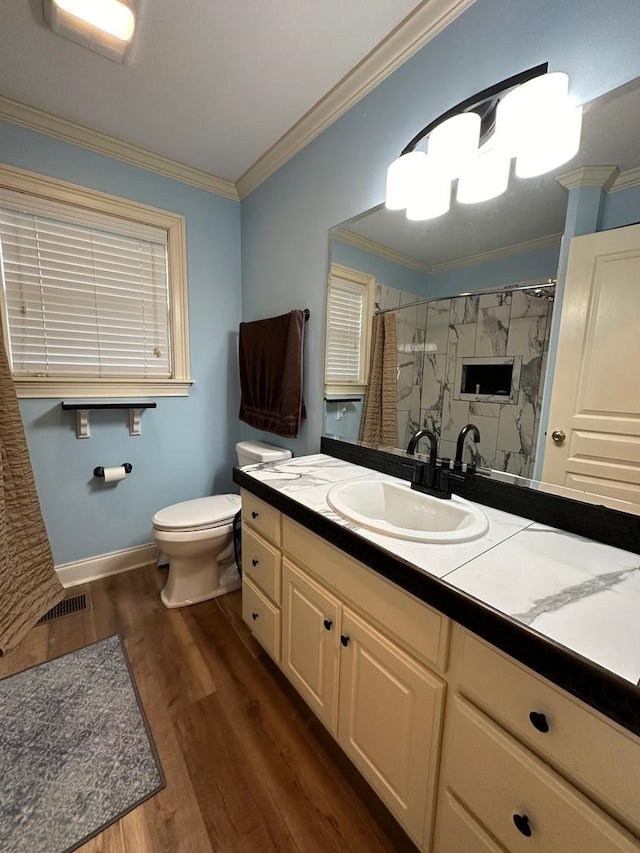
[252, 452]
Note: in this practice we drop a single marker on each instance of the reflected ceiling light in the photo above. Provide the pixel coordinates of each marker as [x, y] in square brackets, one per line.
[528, 116]
[105, 26]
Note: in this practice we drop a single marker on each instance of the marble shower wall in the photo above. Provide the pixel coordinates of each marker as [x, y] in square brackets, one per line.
[431, 339]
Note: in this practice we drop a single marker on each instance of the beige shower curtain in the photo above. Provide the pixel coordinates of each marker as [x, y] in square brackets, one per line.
[29, 585]
[379, 424]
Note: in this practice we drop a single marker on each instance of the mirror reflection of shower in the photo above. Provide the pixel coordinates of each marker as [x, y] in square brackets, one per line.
[477, 357]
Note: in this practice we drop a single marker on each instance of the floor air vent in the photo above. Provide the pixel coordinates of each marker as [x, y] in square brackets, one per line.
[68, 606]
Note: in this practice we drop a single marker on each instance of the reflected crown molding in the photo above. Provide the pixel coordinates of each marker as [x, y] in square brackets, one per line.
[428, 19]
[343, 235]
[589, 176]
[379, 249]
[626, 180]
[32, 118]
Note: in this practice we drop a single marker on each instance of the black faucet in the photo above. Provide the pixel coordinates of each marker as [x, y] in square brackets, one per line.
[424, 475]
[464, 432]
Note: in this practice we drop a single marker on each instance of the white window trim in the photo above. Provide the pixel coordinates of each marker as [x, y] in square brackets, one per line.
[44, 187]
[353, 276]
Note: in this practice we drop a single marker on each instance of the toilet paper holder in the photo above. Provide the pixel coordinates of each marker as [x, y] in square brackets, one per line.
[98, 471]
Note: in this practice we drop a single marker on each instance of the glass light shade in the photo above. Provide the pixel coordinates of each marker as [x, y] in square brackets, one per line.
[454, 142]
[111, 16]
[485, 177]
[431, 194]
[402, 177]
[551, 145]
[523, 110]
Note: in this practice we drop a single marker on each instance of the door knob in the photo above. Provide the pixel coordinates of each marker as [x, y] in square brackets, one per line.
[558, 435]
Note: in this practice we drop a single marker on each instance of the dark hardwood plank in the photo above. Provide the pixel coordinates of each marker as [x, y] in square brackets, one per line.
[248, 767]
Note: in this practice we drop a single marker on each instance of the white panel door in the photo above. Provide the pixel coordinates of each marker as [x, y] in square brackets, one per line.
[593, 438]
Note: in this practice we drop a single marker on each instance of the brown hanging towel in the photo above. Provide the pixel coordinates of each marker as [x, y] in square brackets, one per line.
[271, 373]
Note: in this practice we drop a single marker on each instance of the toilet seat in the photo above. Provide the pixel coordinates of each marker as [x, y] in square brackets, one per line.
[199, 514]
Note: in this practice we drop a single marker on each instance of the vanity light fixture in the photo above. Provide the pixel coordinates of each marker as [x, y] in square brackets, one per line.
[104, 26]
[528, 116]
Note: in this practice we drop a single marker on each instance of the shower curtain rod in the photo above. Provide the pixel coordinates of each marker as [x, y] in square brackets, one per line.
[506, 288]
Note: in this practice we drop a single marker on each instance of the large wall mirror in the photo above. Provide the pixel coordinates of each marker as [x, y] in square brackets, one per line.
[520, 315]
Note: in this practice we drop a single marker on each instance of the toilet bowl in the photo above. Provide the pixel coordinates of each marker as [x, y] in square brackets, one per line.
[197, 537]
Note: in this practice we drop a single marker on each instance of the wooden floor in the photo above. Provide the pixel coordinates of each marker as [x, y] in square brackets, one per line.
[248, 767]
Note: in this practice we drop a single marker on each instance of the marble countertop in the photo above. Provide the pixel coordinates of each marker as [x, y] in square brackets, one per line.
[581, 594]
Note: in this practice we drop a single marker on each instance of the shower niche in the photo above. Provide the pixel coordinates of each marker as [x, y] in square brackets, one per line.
[487, 380]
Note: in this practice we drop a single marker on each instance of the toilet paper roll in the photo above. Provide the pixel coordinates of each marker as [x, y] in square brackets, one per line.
[112, 475]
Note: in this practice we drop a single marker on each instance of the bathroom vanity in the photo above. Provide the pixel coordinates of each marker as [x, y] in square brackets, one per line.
[413, 656]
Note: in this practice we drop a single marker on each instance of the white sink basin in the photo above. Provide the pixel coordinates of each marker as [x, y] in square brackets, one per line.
[397, 510]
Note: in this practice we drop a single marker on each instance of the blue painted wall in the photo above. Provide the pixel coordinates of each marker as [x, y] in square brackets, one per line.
[621, 208]
[285, 221]
[186, 449]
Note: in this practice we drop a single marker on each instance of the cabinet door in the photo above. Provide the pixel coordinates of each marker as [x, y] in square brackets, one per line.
[310, 636]
[389, 722]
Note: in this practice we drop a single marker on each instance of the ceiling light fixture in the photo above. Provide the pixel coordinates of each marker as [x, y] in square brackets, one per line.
[528, 116]
[104, 26]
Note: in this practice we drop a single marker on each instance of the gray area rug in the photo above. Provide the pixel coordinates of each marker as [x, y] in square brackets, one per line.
[76, 753]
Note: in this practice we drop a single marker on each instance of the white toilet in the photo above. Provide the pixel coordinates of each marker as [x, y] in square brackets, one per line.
[197, 537]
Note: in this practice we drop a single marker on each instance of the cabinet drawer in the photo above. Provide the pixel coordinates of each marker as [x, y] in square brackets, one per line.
[262, 617]
[261, 516]
[261, 563]
[601, 759]
[456, 829]
[419, 628]
[503, 784]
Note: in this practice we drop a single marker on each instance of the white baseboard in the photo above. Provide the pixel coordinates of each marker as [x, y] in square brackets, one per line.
[83, 571]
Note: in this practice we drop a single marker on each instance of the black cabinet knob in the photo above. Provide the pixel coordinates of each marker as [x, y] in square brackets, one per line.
[254, 562]
[522, 824]
[327, 624]
[254, 616]
[254, 514]
[344, 640]
[539, 721]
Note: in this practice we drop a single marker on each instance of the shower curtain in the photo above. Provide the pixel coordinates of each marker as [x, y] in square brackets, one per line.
[379, 424]
[29, 585]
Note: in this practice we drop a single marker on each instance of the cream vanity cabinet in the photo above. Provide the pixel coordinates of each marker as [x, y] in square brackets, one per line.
[261, 569]
[364, 656]
[525, 767]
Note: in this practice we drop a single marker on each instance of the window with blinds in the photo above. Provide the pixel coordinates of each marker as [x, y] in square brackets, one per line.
[348, 320]
[87, 295]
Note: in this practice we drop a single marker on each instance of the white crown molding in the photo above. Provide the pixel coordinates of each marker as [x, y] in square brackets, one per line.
[424, 23]
[626, 180]
[503, 252]
[589, 176]
[83, 571]
[60, 128]
[379, 249]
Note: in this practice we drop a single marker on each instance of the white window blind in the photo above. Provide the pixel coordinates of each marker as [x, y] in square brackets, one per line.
[86, 294]
[345, 334]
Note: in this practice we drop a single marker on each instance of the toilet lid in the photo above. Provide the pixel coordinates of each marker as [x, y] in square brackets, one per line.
[201, 512]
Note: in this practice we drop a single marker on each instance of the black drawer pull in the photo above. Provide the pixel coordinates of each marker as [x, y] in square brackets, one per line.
[539, 721]
[254, 562]
[254, 616]
[344, 640]
[522, 824]
[254, 514]
[327, 624]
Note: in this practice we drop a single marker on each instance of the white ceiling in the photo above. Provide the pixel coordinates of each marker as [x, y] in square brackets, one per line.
[209, 84]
